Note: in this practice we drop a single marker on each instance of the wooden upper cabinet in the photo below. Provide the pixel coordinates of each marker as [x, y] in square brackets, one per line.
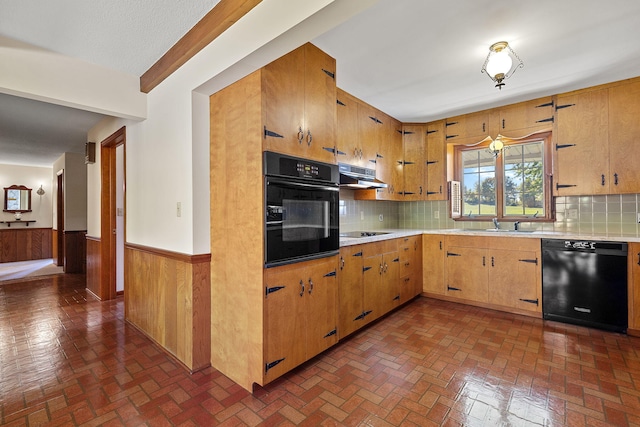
[389, 164]
[524, 118]
[370, 134]
[300, 104]
[347, 138]
[624, 138]
[581, 144]
[414, 167]
[436, 161]
[474, 125]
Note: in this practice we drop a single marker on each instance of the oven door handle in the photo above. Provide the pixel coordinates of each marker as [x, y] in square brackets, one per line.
[295, 184]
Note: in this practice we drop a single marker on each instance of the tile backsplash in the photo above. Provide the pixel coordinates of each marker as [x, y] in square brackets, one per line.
[610, 215]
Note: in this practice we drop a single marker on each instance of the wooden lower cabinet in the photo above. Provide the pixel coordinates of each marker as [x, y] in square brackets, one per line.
[634, 289]
[370, 280]
[433, 264]
[410, 268]
[501, 272]
[300, 313]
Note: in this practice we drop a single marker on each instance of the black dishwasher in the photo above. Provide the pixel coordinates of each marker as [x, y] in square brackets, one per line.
[585, 283]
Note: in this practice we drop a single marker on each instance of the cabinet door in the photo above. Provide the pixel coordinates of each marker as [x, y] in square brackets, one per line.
[513, 279]
[284, 103]
[410, 268]
[389, 164]
[285, 320]
[369, 131]
[634, 287]
[433, 264]
[321, 302]
[624, 140]
[351, 291]
[581, 145]
[320, 104]
[347, 139]
[436, 162]
[468, 126]
[466, 273]
[413, 167]
[390, 281]
[373, 290]
[526, 117]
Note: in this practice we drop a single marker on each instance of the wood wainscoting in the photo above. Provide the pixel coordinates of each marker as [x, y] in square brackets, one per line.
[75, 252]
[168, 297]
[95, 284]
[25, 244]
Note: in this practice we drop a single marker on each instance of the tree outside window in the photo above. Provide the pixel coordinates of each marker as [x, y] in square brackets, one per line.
[512, 185]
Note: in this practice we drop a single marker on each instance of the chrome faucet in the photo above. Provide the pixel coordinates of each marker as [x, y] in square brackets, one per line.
[496, 224]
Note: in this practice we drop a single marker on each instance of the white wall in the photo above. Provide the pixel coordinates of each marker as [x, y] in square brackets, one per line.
[31, 177]
[167, 155]
[75, 191]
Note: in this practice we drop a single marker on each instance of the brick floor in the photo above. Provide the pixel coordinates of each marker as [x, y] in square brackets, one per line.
[68, 360]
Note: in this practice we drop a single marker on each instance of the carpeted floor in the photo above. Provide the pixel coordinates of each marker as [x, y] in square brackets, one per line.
[19, 270]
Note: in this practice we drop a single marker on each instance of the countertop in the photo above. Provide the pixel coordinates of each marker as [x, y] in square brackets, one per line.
[398, 233]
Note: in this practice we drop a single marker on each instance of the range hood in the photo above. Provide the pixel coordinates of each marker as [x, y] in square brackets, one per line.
[358, 178]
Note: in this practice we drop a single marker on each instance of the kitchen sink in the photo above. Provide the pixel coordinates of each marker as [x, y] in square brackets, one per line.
[353, 234]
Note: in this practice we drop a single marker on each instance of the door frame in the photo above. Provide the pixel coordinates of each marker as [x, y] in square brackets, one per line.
[108, 211]
[60, 218]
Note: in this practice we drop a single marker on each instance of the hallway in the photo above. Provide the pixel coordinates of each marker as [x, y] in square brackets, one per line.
[68, 359]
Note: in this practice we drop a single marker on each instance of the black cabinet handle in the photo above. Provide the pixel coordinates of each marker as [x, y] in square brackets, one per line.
[309, 138]
[530, 301]
[483, 261]
[603, 179]
[300, 135]
[301, 287]
[615, 179]
[493, 262]
[638, 258]
[310, 286]
[451, 288]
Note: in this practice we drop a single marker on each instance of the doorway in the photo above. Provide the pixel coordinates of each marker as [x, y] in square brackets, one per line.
[113, 214]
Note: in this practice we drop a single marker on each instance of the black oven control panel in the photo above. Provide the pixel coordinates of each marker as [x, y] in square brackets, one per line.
[295, 167]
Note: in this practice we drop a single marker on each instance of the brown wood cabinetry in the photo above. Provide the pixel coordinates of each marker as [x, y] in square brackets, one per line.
[433, 264]
[413, 164]
[501, 272]
[348, 140]
[624, 138]
[410, 268]
[468, 126]
[380, 274]
[634, 288]
[436, 162]
[581, 152]
[524, 118]
[300, 104]
[371, 280]
[300, 313]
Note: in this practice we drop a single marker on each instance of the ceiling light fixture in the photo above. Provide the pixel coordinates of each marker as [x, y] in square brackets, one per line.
[496, 146]
[499, 64]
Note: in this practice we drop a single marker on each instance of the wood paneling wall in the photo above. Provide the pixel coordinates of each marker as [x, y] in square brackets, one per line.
[25, 244]
[94, 282]
[168, 297]
[75, 253]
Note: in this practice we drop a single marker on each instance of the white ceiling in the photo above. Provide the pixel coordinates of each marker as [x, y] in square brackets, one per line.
[417, 60]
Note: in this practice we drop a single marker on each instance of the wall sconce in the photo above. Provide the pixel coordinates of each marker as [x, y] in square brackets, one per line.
[499, 63]
[40, 191]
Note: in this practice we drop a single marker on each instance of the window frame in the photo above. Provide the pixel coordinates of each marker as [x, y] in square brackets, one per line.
[549, 207]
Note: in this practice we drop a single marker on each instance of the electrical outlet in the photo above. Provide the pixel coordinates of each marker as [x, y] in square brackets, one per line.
[381, 217]
[179, 209]
[436, 214]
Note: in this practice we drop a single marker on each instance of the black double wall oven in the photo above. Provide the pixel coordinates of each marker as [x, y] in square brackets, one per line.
[301, 209]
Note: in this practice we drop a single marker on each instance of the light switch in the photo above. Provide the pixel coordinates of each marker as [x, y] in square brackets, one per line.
[179, 209]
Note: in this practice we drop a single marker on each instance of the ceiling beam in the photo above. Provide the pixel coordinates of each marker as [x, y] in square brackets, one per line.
[214, 23]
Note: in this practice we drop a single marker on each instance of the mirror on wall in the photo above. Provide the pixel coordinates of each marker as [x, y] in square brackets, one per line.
[17, 198]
